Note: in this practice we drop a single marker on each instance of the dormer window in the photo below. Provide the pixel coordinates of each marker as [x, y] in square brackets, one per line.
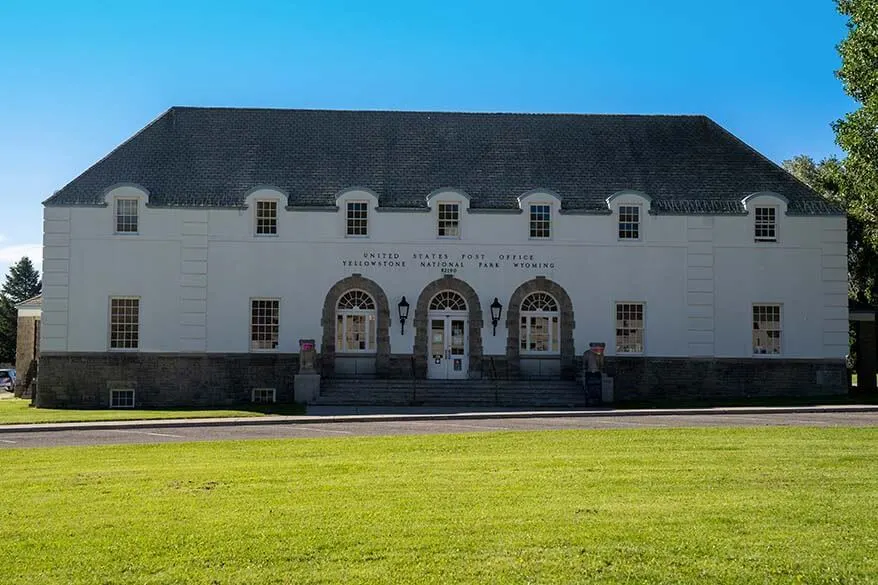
[629, 222]
[449, 220]
[765, 226]
[126, 216]
[266, 218]
[357, 219]
[540, 221]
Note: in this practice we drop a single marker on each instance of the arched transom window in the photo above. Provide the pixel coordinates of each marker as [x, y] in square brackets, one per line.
[355, 323]
[448, 300]
[540, 321]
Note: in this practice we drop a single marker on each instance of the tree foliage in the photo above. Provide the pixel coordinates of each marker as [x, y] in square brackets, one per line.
[857, 132]
[830, 179]
[22, 283]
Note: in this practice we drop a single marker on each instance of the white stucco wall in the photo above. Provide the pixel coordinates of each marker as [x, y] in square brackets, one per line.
[195, 271]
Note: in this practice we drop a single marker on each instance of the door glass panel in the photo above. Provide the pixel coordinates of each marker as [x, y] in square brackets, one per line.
[539, 334]
[555, 334]
[371, 339]
[456, 337]
[522, 335]
[437, 338]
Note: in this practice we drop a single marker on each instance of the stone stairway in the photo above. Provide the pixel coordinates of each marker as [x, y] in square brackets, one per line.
[500, 393]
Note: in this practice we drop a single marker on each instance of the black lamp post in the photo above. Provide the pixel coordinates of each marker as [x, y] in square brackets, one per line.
[496, 309]
[403, 307]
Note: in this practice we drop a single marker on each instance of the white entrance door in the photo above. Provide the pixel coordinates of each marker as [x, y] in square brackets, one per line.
[447, 357]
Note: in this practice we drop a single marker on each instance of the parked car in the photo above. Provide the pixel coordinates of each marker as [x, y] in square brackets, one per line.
[7, 379]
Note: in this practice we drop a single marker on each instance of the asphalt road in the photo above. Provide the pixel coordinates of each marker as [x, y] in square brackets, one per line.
[287, 430]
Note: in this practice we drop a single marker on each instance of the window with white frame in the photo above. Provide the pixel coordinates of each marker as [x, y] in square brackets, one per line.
[263, 395]
[124, 323]
[355, 319]
[357, 219]
[449, 220]
[629, 327]
[629, 222]
[126, 216]
[122, 398]
[765, 226]
[767, 329]
[266, 218]
[264, 324]
[540, 221]
[540, 324]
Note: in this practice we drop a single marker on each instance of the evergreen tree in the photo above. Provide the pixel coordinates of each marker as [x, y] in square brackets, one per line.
[22, 283]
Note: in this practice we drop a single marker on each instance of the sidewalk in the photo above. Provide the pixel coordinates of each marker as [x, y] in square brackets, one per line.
[389, 414]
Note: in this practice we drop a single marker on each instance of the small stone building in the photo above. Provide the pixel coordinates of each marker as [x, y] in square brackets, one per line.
[27, 349]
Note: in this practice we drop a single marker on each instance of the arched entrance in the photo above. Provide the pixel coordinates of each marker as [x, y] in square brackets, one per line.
[539, 325]
[448, 322]
[356, 335]
[447, 357]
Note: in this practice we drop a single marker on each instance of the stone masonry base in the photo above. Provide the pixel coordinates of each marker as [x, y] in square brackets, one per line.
[166, 380]
[84, 380]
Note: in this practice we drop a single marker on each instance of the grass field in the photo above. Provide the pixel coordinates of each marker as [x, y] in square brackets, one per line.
[17, 411]
[782, 505]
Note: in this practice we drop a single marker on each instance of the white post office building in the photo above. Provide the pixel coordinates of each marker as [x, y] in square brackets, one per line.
[185, 267]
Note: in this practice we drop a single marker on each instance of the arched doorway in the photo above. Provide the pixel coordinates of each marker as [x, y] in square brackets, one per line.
[447, 357]
[539, 326]
[356, 336]
[469, 310]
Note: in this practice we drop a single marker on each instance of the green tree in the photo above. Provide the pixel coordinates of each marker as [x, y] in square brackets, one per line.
[857, 132]
[22, 283]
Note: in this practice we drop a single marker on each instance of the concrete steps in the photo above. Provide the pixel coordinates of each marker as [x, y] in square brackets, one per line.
[376, 392]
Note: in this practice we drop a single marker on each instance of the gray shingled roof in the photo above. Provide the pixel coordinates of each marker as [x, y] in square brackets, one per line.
[214, 156]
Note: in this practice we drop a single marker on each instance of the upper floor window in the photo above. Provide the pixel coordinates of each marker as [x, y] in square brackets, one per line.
[629, 327]
[766, 329]
[629, 222]
[264, 323]
[124, 323]
[126, 216]
[766, 224]
[540, 221]
[449, 220]
[266, 218]
[357, 219]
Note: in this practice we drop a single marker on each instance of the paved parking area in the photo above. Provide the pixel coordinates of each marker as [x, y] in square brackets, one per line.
[472, 424]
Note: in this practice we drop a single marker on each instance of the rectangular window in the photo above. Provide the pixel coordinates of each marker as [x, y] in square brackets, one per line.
[629, 222]
[266, 218]
[264, 323]
[126, 216]
[766, 329]
[264, 395]
[122, 398]
[540, 221]
[124, 323]
[766, 224]
[449, 220]
[358, 218]
[629, 327]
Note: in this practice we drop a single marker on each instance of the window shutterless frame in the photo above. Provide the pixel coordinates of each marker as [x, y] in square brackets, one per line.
[123, 323]
[448, 220]
[265, 217]
[263, 324]
[767, 329]
[357, 219]
[630, 223]
[629, 327]
[126, 215]
[540, 221]
[122, 398]
[765, 224]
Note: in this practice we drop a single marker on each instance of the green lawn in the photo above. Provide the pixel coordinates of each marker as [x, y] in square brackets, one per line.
[781, 505]
[18, 411]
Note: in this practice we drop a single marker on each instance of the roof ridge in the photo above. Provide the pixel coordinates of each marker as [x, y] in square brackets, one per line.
[438, 112]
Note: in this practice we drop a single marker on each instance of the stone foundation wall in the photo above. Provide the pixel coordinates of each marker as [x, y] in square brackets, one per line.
[25, 347]
[163, 380]
[705, 379]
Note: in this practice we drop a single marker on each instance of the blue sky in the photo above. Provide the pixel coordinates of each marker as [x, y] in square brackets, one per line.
[77, 78]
